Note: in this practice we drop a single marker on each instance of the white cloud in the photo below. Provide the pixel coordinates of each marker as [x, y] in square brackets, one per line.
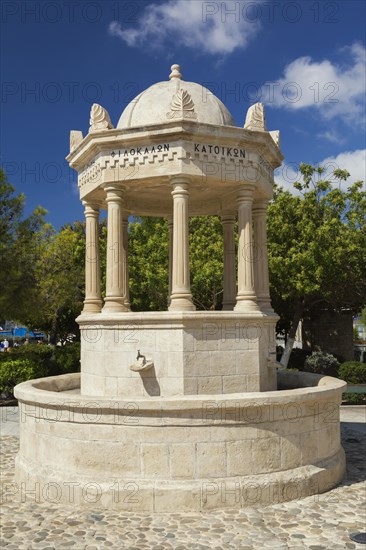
[216, 28]
[352, 161]
[335, 90]
[332, 135]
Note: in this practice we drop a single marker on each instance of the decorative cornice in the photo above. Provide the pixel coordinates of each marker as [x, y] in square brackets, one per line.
[174, 130]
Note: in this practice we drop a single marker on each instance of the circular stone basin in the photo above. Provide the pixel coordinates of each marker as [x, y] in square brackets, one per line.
[192, 453]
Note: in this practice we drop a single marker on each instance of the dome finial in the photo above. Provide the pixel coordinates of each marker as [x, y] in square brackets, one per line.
[175, 72]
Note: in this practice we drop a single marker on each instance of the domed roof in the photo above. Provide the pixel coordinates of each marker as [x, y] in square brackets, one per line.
[175, 99]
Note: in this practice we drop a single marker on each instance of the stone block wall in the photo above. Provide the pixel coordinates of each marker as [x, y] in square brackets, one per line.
[192, 355]
[191, 453]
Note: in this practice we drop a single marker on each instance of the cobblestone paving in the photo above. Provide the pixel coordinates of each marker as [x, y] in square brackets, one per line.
[321, 522]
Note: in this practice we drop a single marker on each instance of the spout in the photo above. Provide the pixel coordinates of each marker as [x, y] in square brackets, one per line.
[141, 363]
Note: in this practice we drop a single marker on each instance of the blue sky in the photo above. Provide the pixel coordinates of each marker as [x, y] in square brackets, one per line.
[305, 60]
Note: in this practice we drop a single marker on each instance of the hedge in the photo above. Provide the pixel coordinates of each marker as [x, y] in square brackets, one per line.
[36, 361]
[353, 372]
[13, 372]
[322, 363]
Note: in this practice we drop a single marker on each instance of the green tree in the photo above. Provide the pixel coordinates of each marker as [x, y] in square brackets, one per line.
[148, 246]
[317, 244]
[21, 240]
[60, 275]
[149, 262]
[206, 261]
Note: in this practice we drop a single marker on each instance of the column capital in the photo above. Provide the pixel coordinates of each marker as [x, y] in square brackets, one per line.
[114, 192]
[91, 206]
[180, 185]
[227, 216]
[260, 206]
[245, 194]
[181, 179]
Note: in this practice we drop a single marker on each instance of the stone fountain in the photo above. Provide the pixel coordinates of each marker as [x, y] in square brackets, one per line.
[181, 409]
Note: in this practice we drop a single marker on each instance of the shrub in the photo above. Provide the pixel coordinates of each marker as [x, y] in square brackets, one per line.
[353, 372]
[322, 363]
[353, 399]
[14, 371]
[297, 359]
[52, 360]
[38, 354]
[66, 358]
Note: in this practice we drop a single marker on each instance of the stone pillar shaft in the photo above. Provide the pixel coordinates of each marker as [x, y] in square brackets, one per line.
[181, 297]
[246, 298]
[170, 230]
[261, 276]
[116, 283]
[125, 264]
[93, 301]
[229, 297]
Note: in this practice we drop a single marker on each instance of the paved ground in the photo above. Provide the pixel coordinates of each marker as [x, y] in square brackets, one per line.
[321, 522]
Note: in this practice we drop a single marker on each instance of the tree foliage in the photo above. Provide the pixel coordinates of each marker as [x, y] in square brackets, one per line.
[60, 274]
[206, 261]
[20, 243]
[149, 262]
[148, 250]
[317, 245]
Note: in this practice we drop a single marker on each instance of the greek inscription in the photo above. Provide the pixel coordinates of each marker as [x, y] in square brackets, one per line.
[225, 151]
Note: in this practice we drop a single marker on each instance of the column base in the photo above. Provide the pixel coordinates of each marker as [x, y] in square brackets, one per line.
[92, 306]
[182, 303]
[247, 305]
[114, 305]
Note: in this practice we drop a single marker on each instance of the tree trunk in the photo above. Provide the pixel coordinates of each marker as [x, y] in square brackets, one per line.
[291, 335]
[54, 329]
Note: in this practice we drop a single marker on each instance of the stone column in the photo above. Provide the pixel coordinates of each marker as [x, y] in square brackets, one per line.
[93, 300]
[170, 229]
[116, 283]
[229, 297]
[125, 264]
[246, 299]
[261, 278]
[181, 297]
